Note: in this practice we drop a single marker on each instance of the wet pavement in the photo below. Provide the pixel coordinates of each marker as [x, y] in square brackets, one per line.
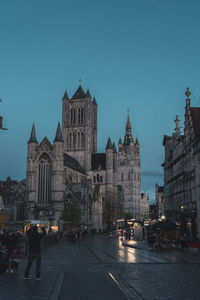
[101, 267]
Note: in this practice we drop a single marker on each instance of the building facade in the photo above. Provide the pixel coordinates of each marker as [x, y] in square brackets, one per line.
[12, 201]
[71, 166]
[159, 192]
[182, 171]
[145, 206]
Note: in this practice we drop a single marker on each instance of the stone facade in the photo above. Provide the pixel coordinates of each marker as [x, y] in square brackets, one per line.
[182, 171]
[12, 201]
[129, 175]
[144, 206]
[71, 166]
[159, 192]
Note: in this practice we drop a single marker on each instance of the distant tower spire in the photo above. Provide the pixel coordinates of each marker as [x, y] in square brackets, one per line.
[177, 128]
[187, 94]
[33, 138]
[128, 138]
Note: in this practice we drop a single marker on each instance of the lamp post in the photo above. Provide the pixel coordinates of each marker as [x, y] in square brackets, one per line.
[50, 218]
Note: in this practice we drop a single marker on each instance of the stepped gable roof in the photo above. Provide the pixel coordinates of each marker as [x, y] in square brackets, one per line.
[79, 94]
[72, 163]
[109, 144]
[58, 137]
[98, 161]
[195, 113]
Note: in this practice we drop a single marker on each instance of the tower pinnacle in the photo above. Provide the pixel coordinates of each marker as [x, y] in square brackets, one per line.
[128, 138]
[177, 128]
[58, 137]
[187, 94]
[33, 138]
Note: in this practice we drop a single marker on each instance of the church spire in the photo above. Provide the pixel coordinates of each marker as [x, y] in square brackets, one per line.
[128, 138]
[58, 137]
[87, 95]
[65, 95]
[79, 94]
[109, 144]
[187, 94]
[33, 138]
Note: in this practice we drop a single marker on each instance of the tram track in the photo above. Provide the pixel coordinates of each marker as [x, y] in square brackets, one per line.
[119, 259]
[128, 291]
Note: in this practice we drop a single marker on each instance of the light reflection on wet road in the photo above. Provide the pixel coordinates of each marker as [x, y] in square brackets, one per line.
[110, 250]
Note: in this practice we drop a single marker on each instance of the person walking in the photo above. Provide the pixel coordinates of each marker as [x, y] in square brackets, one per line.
[33, 252]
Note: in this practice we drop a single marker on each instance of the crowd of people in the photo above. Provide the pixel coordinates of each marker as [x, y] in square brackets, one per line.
[16, 245]
[10, 249]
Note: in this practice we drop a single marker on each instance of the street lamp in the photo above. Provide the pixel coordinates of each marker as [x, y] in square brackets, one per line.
[50, 218]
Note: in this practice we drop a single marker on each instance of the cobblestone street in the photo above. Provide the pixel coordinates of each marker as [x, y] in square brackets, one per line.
[102, 268]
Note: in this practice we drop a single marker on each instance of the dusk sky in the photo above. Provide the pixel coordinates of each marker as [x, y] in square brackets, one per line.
[137, 55]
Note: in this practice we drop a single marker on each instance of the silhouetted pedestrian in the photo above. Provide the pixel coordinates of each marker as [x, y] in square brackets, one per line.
[33, 252]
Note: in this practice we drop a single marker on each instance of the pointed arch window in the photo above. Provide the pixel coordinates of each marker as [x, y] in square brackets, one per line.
[44, 181]
[94, 179]
[101, 179]
[83, 140]
[79, 140]
[70, 140]
[71, 116]
[79, 116]
[74, 140]
[97, 177]
[74, 116]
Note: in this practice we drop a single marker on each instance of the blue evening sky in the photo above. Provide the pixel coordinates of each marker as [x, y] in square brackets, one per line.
[131, 54]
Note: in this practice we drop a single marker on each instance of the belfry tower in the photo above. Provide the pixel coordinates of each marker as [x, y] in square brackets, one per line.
[129, 176]
[79, 126]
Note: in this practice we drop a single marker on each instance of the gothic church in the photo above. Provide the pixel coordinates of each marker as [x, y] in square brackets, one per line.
[71, 167]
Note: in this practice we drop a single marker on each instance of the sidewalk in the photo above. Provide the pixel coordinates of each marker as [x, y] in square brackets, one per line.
[13, 286]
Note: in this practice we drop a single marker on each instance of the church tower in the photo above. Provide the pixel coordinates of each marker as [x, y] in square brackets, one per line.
[129, 176]
[79, 126]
